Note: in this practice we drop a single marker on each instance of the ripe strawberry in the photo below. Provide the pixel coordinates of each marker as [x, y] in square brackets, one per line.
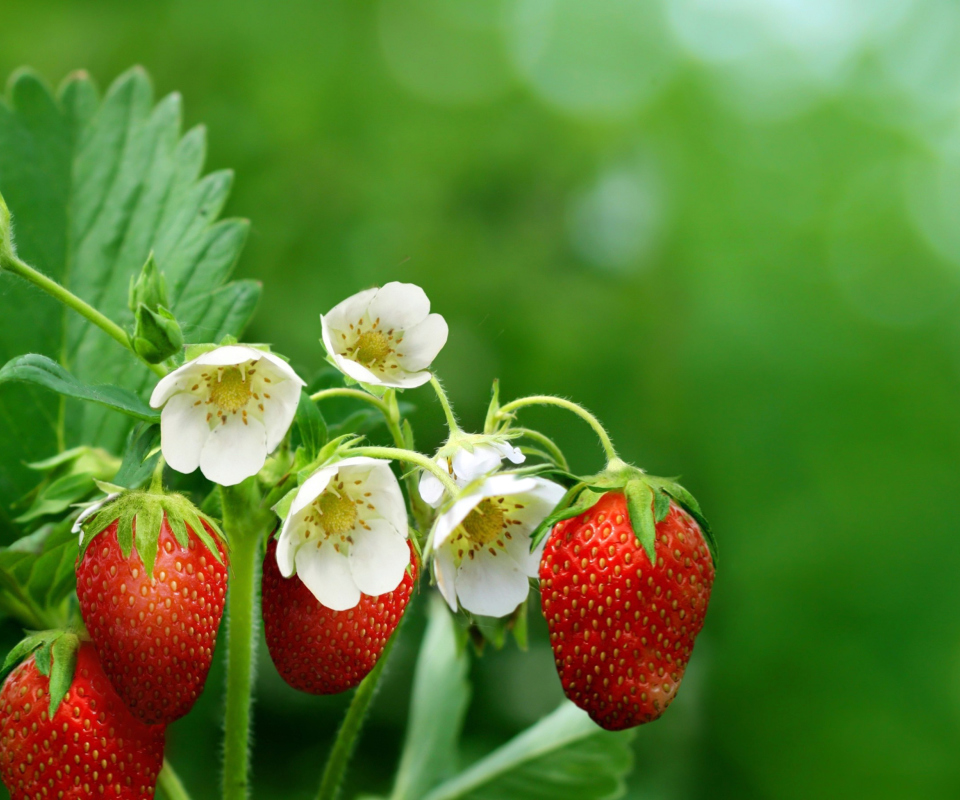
[622, 629]
[320, 651]
[92, 746]
[153, 612]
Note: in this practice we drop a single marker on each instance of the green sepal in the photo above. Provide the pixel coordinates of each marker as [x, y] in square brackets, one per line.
[661, 506]
[55, 655]
[312, 426]
[282, 508]
[640, 508]
[65, 650]
[490, 423]
[577, 500]
[148, 509]
[156, 335]
[689, 504]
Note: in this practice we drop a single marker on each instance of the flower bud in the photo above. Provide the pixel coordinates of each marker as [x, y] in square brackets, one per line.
[156, 334]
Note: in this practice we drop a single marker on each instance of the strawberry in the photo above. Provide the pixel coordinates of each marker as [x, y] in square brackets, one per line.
[320, 651]
[90, 745]
[153, 610]
[621, 626]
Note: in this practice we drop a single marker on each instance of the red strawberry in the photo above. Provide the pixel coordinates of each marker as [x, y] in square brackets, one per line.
[320, 651]
[92, 747]
[622, 630]
[154, 625]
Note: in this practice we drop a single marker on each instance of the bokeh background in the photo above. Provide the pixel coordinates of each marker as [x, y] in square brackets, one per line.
[730, 227]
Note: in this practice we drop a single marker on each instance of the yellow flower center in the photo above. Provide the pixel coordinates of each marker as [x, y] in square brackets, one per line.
[372, 348]
[231, 392]
[485, 523]
[338, 514]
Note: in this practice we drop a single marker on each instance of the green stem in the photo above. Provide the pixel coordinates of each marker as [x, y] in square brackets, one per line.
[357, 394]
[422, 513]
[170, 784]
[547, 443]
[580, 411]
[13, 264]
[346, 740]
[413, 458]
[445, 404]
[244, 523]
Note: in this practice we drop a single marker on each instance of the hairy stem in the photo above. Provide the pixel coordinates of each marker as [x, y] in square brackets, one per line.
[11, 263]
[445, 404]
[244, 523]
[170, 783]
[357, 394]
[547, 443]
[346, 740]
[580, 411]
[411, 457]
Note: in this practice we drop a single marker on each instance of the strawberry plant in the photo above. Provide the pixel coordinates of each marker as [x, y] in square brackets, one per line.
[159, 475]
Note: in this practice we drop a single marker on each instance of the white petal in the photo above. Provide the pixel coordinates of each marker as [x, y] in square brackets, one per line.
[350, 310]
[378, 558]
[177, 381]
[423, 342]
[279, 410]
[326, 573]
[405, 380]
[326, 336]
[229, 356]
[519, 549]
[183, 432]
[497, 485]
[399, 305]
[431, 490]
[491, 585]
[380, 489]
[510, 452]
[445, 571]
[234, 451]
[279, 367]
[287, 546]
[448, 521]
[356, 371]
[538, 502]
[312, 488]
[469, 466]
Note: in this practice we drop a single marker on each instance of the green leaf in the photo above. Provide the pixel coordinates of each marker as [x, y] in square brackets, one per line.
[64, 665]
[40, 370]
[640, 508]
[439, 702]
[565, 756]
[312, 427]
[94, 186]
[137, 468]
[37, 575]
[24, 648]
[58, 496]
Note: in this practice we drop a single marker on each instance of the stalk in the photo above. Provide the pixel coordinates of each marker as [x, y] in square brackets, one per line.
[580, 411]
[170, 784]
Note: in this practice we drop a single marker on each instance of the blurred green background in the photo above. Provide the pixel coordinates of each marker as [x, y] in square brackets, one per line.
[729, 228]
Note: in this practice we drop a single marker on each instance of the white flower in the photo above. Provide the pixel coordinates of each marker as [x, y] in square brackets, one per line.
[385, 337]
[466, 467]
[481, 544]
[89, 511]
[346, 533]
[226, 411]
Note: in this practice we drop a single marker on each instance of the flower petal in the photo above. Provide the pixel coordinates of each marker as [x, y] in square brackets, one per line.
[405, 380]
[448, 521]
[491, 585]
[469, 466]
[350, 310]
[356, 371]
[380, 489]
[326, 573]
[399, 305]
[378, 558]
[279, 367]
[279, 411]
[423, 342]
[287, 546]
[183, 432]
[445, 571]
[312, 488]
[234, 451]
[177, 381]
[538, 502]
[509, 452]
[431, 490]
[228, 356]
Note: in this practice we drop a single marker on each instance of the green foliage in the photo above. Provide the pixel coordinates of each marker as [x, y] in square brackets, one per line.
[438, 706]
[565, 756]
[41, 371]
[156, 334]
[37, 576]
[94, 186]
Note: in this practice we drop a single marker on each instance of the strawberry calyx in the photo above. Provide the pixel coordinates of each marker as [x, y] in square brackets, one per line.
[148, 508]
[648, 503]
[56, 658]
